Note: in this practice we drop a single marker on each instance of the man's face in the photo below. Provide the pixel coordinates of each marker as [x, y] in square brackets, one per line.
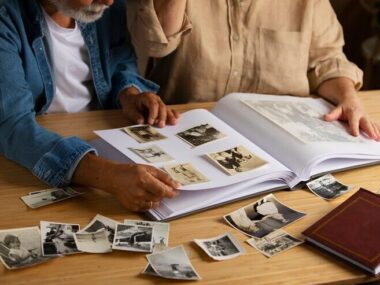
[82, 10]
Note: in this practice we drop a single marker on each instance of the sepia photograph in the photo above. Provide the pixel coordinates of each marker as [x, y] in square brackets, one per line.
[173, 264]
[96, 242]
[144, 133]
[185, 173]
[21, 248]
[152, 154]
[222, 247]
[262, 217]
[200, 135]
[274, 243]
[327, 187]
[99, 223]
[133, 238]
[58, 238]
[236, 160]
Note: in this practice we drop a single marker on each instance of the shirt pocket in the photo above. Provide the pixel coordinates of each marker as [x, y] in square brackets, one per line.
[283, 60]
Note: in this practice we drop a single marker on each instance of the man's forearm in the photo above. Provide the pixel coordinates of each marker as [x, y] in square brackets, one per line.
[337, 89]
[170, 14]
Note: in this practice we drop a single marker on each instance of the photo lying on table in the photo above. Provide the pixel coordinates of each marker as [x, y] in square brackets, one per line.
[152, 154]
[96, 242]
[21, 248]
[185, 173]
[58, 238]
[327, 187]
[200, 135]
[236, 160]
[222, 247]
[99, 223]
[144, 133]
[262, 217]
[274, 243]
[133, 238]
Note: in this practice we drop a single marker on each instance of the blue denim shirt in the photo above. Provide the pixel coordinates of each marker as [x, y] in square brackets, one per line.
[27, 84]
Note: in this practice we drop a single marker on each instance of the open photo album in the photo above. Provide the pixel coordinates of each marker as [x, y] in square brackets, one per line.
[247, 145]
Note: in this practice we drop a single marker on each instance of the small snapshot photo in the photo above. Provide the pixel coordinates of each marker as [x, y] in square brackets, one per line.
[96, 242]
[200, 135]
[58, 238]
[262, 217]
[236, 160]
[133, 238]
[99, 223]
[222, 247]
[173, 264]
[149, 270]
[152, 154]
[185, 173]
[327, 187]
[274, 243]
[144, 133]
[21, 248]
[41, 198]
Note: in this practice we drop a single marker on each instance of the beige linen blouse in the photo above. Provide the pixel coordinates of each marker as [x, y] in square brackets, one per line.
[261, 46]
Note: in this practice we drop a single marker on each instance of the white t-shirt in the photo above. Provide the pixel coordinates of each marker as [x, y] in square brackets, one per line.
[71, 67]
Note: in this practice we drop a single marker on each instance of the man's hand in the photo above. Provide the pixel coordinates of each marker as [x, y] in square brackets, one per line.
[146, 108]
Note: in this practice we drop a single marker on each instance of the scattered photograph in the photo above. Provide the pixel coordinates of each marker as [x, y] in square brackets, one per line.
[160, 237]
[152, 154]
[236, 160]
[96, 242]
[58, 238]
[173, 264]
[222, 247]
[327, 187]
[149, 270]
[185, 173]
[262, 217]
[100, 223]
[133, 238]
[21, 248]
[144, 133]
[200, 135]
[274, 243]
[41, 198]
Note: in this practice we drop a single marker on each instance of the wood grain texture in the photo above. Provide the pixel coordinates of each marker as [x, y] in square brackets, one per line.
[301, 265]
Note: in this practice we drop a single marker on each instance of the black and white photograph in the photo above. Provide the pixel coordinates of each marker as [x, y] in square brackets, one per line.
[21, 248]
[262, 217]
[42, 198]
[96, 242]
[58, 238]
[144, 133]
[327, 187]
[99, 223]
[236, 160]
[274, 243]
[185, 173]
[133, 238]
[152, 154]
[200, 135]
[173, 263]
[149, 270]
[160, 238]
[222, 247]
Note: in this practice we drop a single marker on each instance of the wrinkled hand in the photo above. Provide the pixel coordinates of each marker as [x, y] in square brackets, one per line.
[146, 108]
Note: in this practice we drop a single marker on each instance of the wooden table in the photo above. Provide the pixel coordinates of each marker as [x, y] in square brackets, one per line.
[301, 265]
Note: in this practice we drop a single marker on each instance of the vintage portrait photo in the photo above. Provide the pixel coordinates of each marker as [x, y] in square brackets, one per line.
[185, 173]
[144, 133]
[49, 196]
[262, 217]
[96, 242]
[133, 238]
[200, 135]
[274, 243]
[236, 160]
[327, 187]
[221, 247]
[99, 223]
[173, 264]
[21, 248]
[58, 238]
[152, 154]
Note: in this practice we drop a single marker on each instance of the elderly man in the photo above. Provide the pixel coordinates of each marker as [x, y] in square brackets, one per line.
[72, 56]
[205, 49]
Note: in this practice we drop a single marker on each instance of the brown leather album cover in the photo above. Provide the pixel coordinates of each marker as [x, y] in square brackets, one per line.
[352, 230]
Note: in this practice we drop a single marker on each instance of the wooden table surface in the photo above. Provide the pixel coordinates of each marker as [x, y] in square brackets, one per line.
[301, 265]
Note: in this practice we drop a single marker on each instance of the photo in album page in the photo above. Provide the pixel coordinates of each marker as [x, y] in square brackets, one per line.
[185, 173]
[152, 154]
[236, 160]
[144, 133]
[200, 135]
